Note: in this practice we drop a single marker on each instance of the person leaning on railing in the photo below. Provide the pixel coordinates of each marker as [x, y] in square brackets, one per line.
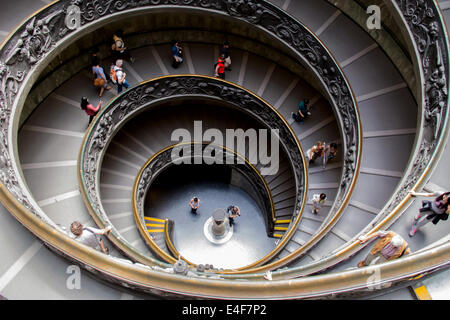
[431, 211]
[88, 235]
[390, 246]
[90, 110]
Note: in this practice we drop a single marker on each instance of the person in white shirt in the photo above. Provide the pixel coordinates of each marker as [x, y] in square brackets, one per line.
[318, 201]
[88, 235]
[194, 204]
[120, 76]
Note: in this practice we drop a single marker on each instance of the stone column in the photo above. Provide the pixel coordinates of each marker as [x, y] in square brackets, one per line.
[218, 227]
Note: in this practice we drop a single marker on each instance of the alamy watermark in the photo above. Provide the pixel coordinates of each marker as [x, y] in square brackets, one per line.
[260, 147]
[73, 17]
[374, 20]
[73, 281]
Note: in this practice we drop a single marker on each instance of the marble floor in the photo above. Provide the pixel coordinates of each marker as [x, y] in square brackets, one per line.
[249, 242]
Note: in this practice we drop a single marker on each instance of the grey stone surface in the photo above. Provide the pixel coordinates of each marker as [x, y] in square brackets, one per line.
[249, 242]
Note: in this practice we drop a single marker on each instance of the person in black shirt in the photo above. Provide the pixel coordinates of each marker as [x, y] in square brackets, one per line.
[119, 50]
[94, 57]
[233, 212]
[177, 53]
[226, 53]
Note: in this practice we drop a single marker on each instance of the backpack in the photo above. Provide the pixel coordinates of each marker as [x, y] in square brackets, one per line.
[90, 231]
[316, 198]
[118, 42]
[218, 63]
[112, 73]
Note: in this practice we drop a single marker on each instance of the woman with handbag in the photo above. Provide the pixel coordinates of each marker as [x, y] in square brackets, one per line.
[431, 211]
[100, 79]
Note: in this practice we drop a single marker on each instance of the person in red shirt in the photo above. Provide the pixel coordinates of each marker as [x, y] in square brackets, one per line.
[220, 67]
[89, 108]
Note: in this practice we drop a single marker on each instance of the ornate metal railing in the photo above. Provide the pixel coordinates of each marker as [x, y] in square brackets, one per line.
[152, 93]
[211, 153]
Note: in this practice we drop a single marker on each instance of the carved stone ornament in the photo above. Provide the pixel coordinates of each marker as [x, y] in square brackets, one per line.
[429, 36]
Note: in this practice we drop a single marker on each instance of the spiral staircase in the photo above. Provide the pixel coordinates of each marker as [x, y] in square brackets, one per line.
[397, 148]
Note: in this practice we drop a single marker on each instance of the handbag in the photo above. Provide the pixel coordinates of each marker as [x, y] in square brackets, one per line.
[426, 206]
[99, 82]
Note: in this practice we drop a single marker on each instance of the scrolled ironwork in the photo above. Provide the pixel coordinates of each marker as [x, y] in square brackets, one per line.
[430, 40]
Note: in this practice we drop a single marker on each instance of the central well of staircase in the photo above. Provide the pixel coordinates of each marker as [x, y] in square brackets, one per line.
[193, 235]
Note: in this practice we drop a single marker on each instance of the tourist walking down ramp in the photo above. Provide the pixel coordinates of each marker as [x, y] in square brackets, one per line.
[118, 76]
[390, 246]
[431, 211]
[177, 53]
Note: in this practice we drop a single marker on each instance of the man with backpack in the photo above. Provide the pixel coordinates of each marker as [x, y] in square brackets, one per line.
[118, 76]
